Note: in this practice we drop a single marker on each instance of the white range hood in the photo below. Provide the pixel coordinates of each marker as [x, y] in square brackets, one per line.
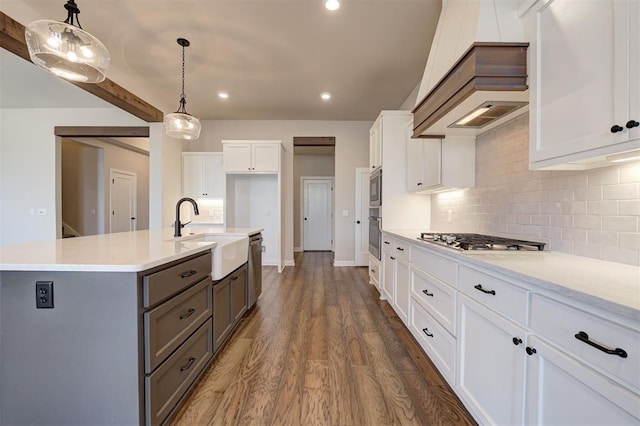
[476, 73]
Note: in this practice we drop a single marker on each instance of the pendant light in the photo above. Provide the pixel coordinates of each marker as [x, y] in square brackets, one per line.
[181, 124]
[67, 50]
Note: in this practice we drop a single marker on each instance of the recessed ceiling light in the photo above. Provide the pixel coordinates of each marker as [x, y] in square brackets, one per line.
[332, 4]
[325, 96]
[223, 95]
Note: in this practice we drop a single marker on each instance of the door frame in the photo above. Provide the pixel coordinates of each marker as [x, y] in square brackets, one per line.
[333, 202]
[134, 203]
[364, 215]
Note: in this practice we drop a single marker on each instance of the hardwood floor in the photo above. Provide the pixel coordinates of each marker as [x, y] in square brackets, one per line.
[320, 348]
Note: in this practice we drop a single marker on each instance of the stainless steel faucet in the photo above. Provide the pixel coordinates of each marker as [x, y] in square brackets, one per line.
[177, 225]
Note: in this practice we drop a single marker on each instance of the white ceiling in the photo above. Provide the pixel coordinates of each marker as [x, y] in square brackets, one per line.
[273, 57]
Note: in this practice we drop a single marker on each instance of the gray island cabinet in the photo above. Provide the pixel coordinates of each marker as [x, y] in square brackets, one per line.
[118, 347]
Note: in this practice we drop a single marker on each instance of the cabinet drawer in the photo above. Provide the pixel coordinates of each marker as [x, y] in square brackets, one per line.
[166, 386]
[374, 270]
[436, 297]
[163, 284]
[438, 266]
[168, 325]
[388, 244]
[502, 296]
[561, 323]
[402, 249]
[436, 342]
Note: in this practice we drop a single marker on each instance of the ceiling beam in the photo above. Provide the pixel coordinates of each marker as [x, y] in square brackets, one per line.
[12, 39]
[94, 132]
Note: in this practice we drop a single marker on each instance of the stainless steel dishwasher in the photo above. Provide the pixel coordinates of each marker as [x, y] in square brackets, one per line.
[255, 269]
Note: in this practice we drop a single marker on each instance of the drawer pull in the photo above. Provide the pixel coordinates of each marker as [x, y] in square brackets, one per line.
[426, 331]
[190, 312]
[400, 248]
[584, 337]
[387, 242]
[392, 258]
[373, 270]
[235, 277]
[427, 293]
[530, 350]
[516, 341]
[188, 273]
[479, 287]
[189, 364]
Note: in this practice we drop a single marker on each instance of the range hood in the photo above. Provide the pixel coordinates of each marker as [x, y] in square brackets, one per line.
[485, 83]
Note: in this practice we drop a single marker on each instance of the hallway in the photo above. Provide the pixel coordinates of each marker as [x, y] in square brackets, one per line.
[321, 349]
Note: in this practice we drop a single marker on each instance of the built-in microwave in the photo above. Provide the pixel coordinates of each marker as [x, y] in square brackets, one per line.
[375, 189]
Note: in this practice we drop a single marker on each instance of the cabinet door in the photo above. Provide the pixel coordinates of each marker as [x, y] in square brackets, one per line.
[491, 369]
[403, 293]
[239, 294]
[634, 58]
[414, 165]
[266, 158]
[213, 176]
[579, 77]
[237, 157]
[562, 391]
[388, 277]
[222, 320]
[431, 163]
[375, 144]
[192, 176]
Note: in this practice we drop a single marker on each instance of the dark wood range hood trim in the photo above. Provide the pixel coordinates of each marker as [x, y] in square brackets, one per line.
[483, 67]
[12, 39]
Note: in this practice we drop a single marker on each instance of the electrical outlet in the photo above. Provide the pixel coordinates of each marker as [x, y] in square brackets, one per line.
[44, 294]
[264, 249]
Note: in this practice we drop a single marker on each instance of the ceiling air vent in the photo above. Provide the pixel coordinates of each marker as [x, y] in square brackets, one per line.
[486, 114]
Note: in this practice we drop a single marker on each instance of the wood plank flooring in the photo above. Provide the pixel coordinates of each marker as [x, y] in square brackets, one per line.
[320, 348]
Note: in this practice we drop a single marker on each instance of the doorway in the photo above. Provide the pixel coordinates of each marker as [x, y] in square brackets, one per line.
[317, 217]
[362, 217]
[122, 201]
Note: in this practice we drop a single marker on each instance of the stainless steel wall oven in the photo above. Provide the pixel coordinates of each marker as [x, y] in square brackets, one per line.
[375, 231]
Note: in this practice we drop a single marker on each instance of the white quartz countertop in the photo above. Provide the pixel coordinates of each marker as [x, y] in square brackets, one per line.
[612, 286]
[120, 252]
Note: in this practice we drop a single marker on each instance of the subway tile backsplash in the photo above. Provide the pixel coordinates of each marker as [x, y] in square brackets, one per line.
[593, 213]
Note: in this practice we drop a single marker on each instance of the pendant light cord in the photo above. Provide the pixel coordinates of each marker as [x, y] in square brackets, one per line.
[72, 12]
[183, 96]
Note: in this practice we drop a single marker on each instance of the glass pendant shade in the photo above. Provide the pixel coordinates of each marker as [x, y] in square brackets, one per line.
[67, 51]
[181, 126]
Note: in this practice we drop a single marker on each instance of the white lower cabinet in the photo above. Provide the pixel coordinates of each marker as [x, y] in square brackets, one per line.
[401, 299]
[562, 391]
[388, 276]
[374, 271]
[491, 364]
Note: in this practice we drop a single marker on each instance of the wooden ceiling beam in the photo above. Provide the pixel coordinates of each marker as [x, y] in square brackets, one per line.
[12, 39]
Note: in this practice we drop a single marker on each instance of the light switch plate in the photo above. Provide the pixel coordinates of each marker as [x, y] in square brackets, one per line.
[345, 213]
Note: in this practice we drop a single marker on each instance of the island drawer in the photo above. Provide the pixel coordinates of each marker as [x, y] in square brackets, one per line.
[499, 295]
[438, 266]
[168, 384]
[589, 337]
[168, 325]
[436, 297]
[163, 284]
[402, 249]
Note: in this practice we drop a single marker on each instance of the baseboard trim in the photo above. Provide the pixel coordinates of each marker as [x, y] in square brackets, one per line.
[339, 263]
[290, 262]
[297, 249]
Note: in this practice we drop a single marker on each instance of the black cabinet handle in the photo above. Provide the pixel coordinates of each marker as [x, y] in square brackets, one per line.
[189, 364]
[235, 277]
[631, 124]
[392, 258]
[615, 128]
[530, 350]
[399, 248]
[427, 293]
[387, 242]
[584, 337]
[188, 273]
[419, 183]
[190, 312]
[426, 331]
[516, 341]
[479, 287]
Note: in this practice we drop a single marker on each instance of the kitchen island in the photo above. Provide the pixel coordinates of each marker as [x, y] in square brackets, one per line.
[106, 329]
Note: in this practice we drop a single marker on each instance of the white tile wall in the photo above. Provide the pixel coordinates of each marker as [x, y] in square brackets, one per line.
[593, 213]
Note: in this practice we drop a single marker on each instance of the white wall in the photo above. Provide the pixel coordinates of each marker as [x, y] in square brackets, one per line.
[28, 158]
[307, 165]
[352, 150]
[593, 213]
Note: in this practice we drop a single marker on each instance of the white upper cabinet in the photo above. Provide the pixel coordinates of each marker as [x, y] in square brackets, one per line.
[251, 156]
[375, 144]
[435, 165]
[202, 175]
[583, 78]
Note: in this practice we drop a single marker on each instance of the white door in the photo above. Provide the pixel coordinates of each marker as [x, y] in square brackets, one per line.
[122, 201]
[318, 205]
[362, 217]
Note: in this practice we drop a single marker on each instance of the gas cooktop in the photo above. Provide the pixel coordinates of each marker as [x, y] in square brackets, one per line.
[479, 242]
